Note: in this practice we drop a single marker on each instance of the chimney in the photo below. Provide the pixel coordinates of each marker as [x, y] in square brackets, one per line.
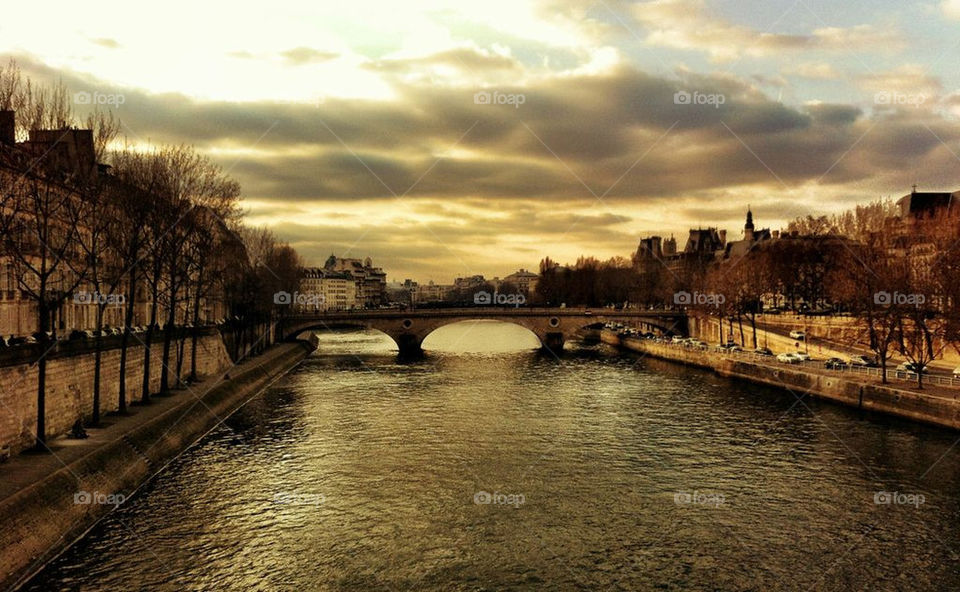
[8, 128]
[723, 237]
[776, 234]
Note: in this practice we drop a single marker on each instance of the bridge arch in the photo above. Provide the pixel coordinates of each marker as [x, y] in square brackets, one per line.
[409, 334]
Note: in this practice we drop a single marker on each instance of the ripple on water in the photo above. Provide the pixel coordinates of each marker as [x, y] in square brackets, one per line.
[360, 473]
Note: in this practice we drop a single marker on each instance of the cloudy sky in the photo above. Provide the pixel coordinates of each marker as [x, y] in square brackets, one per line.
[445, 138]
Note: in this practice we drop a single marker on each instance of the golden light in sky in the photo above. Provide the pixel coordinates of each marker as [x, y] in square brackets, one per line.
[356, 128]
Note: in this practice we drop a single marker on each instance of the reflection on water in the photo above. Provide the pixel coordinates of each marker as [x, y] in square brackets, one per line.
[515, 470]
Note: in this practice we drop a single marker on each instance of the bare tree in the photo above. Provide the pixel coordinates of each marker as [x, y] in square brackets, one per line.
[38, 223]
[137, 182]
[867, 281]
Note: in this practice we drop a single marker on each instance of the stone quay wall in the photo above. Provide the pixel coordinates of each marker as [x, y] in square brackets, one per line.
[69, 384]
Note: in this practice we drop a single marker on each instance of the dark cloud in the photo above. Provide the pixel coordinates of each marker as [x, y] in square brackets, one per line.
[622, 135]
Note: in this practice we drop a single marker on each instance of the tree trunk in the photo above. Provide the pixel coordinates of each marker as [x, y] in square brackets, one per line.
[125, 339]
[148, 345]
[44, 323]
[195, 332]
[181, 345]
[97, 362]
[168, 338]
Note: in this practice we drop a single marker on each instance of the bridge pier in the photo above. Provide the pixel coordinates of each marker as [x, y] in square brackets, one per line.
[552, 342]
[409, 345]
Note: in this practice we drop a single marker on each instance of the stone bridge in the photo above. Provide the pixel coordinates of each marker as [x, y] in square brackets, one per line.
[408, 328]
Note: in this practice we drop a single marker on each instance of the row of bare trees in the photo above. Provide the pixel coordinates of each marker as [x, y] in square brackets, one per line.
[895, 280]
[589, 282]
[159, 230]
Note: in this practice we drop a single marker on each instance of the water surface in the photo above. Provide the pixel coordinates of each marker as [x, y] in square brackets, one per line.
[602, 472]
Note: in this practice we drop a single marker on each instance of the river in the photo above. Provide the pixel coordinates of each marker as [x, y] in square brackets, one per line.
[492, 466]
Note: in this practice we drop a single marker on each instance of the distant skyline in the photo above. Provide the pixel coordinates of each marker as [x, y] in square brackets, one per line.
[356, 128]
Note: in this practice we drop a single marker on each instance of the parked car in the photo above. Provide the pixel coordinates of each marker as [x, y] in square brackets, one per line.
[804, 356]
[677, 339]
[789, 358]
[798, 335]
[911, 368]
[729, 346]
[78, 335]
[835, 364]
[763, 351]
[22, 340]
[956, 372]
[864, 361]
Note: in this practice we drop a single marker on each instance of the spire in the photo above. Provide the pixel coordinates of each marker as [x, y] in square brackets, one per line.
[748, 227]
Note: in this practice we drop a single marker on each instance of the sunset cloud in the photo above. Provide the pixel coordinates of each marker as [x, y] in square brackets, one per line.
[483, 138]
[691, 25]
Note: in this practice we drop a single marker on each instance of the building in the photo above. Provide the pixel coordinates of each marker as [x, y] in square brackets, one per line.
[430, 292]
[704, 245]
[60, 166]
[524, 281]
[370, 282]
[323, 290]
[913, 232]
[751, 238]
[919, 206]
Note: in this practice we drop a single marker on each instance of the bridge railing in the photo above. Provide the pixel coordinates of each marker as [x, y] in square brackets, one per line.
[491, 310]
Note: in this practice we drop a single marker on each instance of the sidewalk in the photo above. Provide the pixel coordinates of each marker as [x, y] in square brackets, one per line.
[29, 467]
